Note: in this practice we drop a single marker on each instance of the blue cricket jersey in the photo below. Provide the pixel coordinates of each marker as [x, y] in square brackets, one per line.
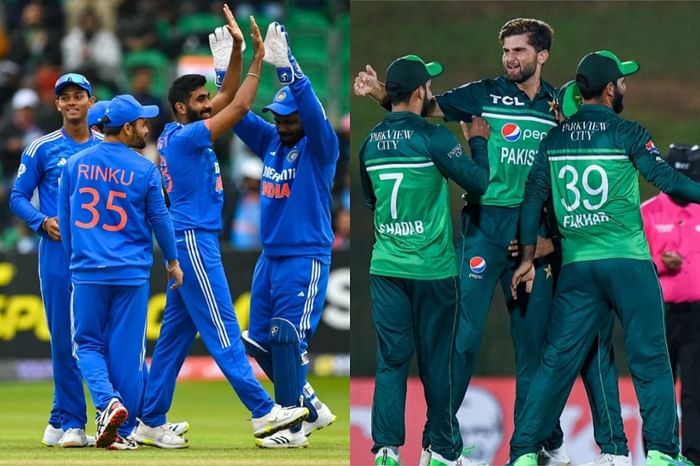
[41, 166]
[192, 176]
[110, 204]
[296, 198]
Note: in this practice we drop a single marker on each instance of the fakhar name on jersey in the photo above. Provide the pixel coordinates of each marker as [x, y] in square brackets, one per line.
[587, 219]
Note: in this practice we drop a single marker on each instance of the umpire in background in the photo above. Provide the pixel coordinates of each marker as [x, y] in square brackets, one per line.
[672, 228]
[405, 163]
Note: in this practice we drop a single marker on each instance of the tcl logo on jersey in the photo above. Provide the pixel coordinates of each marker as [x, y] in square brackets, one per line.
[477, 264]
[511, 132]
[506, 100]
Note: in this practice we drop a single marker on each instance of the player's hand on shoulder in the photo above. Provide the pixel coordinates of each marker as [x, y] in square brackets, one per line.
[365, 81]
[175, 273]
[480, 128]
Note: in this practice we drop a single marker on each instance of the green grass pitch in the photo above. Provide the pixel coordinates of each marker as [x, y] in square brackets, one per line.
[220, 432]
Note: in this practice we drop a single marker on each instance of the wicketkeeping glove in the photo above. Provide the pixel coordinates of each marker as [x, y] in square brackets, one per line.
[221, 44]
[278, 54]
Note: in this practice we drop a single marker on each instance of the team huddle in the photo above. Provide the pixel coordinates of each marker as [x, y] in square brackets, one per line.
[101, 203]
[552, 214]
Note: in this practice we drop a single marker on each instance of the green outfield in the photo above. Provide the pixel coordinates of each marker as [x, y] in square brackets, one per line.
[221, 433]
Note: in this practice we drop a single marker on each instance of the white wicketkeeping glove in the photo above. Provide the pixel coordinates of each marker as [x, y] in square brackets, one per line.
[278, 54]
[221, 44]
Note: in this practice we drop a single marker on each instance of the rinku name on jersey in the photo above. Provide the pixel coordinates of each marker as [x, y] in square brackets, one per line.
[108, 174]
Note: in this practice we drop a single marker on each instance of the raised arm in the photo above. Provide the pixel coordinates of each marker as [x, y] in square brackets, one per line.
[368, 84]
[227, 46]
[242, 102]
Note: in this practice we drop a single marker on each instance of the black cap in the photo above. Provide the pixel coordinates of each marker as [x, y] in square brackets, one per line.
[597, 69]
[405, 74]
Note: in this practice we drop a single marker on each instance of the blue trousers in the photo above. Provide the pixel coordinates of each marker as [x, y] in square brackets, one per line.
[290, 288]
[68, 409]
[203, 304]
[109, 343]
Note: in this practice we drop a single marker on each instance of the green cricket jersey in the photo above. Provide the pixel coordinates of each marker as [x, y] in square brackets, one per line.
[590, 163]
[404, 165]
[518, 125]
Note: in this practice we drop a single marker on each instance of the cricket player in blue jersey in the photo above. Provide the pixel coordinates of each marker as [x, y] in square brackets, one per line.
[193, 182]
[40, 167]
[299, 154]
[110, 205]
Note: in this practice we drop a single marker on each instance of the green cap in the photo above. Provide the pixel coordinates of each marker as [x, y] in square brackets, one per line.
[569, 99]
[405, 74]
[597, 69]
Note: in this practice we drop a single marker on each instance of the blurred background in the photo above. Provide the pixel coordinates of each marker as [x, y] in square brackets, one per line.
[463, 36]
[139, 47]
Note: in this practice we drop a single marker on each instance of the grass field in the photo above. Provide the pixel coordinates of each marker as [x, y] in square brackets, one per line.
[221, 433]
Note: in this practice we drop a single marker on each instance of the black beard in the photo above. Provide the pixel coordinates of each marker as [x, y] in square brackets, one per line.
[424, 110]
[617, 104]
[525, 73]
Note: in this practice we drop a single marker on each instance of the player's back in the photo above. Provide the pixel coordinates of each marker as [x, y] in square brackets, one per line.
[111, 239]
[595, 188]
[412, 222]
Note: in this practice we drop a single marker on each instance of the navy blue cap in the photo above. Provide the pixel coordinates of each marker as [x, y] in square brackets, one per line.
[125, 108]
[283, 103]
[96, 112]
[75, 79]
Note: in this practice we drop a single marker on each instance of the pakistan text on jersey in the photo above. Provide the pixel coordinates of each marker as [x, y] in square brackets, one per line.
[515, 156]
[583, 130]
[402, 228]
[108, 174]
[284, 175]
[584, 220]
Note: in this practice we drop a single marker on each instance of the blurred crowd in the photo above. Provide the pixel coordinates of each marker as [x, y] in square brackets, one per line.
[135, 47]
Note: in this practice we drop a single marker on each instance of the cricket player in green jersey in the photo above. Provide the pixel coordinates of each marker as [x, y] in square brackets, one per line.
[519, 107]
[405, 163]
[589, 165]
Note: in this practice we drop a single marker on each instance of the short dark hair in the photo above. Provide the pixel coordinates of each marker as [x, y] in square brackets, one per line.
[183, 86]
[397, 95]
[589, 92]
[538, 32]
[111, 131]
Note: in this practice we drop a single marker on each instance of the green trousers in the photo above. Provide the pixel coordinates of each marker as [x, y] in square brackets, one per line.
[486, 233]
[587, 294]
[415, 316]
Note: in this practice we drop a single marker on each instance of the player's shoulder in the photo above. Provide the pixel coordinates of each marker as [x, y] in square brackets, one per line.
[42, 143]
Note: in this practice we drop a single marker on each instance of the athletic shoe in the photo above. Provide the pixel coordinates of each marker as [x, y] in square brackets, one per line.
[73, 438]
[528, 459]
[556, 457]
[425, 455]
[387, 456]
[161, 436]
[52, 435]
[463, 460]
[283, 439]
[114, 415]
[90, 440]
[277, 419]
[606, 459]
[121, 443]
[324, 419]
[179, 428]
[656, 458]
